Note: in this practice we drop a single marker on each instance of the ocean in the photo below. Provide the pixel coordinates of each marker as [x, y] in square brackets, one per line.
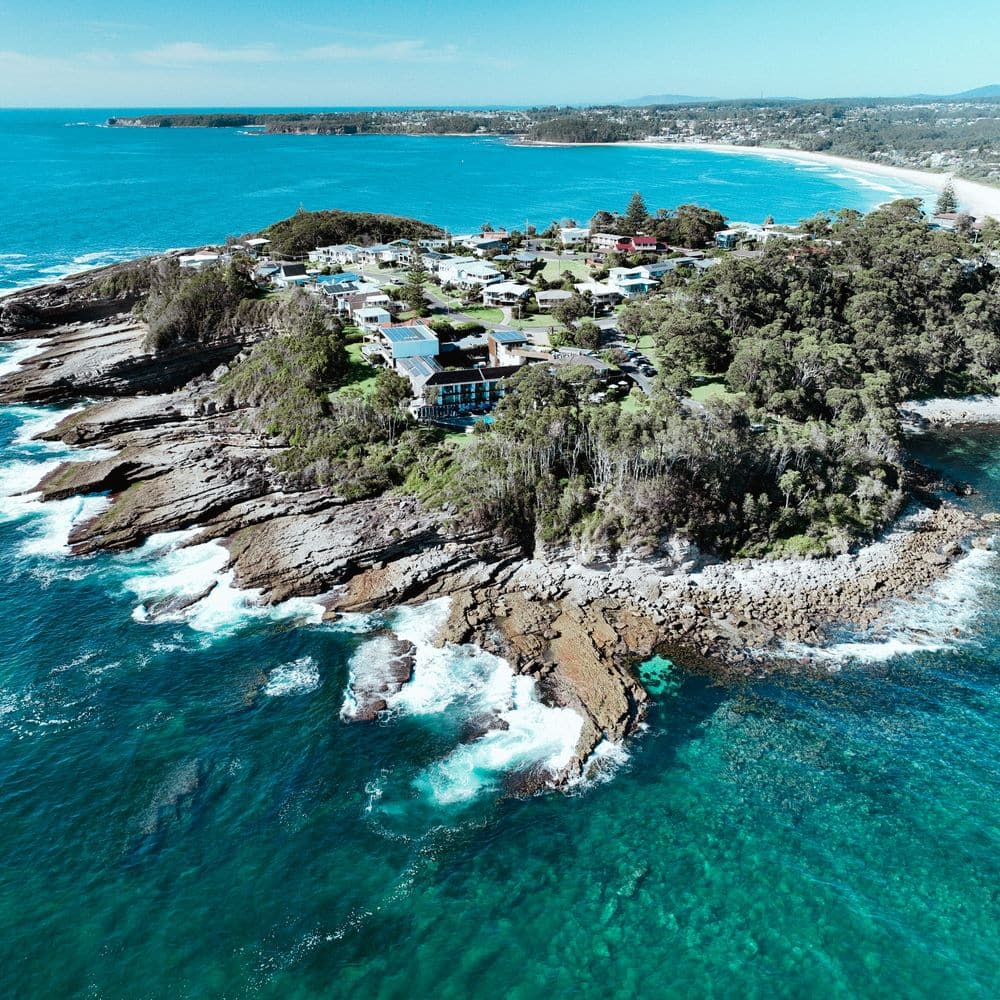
[186, 814]
[76, 194]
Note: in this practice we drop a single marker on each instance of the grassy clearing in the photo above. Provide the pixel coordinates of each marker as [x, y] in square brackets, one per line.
[484, 314]
[553, 270]
[360, 373]
[537, 321]
[633, 402]
[711, 390]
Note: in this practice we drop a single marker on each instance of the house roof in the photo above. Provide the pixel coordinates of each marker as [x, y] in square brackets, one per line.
[509, 337]
[408, 334]
[509, 288]
[554, 295]
[293, 270]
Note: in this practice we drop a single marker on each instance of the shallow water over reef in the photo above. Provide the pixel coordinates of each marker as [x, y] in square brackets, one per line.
[185, 814]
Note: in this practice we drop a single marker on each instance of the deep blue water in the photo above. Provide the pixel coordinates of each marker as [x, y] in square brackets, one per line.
[78, 194]
[184, 813]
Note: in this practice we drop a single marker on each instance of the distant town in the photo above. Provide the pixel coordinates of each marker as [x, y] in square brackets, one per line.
[959, 135]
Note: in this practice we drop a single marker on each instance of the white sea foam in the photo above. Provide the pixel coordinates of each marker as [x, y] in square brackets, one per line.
[22, 351]
[189, 571]
[466, 683]
[298, 677]
[19, 501]
[937, 620]
[536, 737]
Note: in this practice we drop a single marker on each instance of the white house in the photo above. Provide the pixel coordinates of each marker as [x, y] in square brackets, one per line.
[573, 235]
[470, 276]
[372, 317]
[449, 269]
[505, 293]
[340, 253]
[200, 261]
[631, 281]
[603, 296]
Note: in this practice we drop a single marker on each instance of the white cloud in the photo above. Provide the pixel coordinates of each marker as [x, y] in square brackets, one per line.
[403, 50]
[197, 54]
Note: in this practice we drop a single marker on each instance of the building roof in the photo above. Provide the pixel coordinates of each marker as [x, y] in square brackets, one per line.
[508, 337]
[554, 294]
[418, 368]
[408, 334]
[595, 288]
[509, 288]
[372, 311]
[293, 270]
[462, 376]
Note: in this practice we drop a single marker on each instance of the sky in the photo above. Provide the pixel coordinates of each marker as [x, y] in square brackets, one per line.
[252, 53]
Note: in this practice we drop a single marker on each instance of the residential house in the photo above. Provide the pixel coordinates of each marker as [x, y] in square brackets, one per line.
[631, 281]
[469, 276]
[291, 274]
[548, 300]
[605, 242]
[603, 296]
[505, 293]
[413, 340]
[384, 253]
[369, 318]
[503, 343]
[341, 253]
[201, 261]
[448, 270]
[574, 235]
[488, 243]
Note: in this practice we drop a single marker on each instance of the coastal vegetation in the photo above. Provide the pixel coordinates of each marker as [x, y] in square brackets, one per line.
[809, 345]
[302, 232]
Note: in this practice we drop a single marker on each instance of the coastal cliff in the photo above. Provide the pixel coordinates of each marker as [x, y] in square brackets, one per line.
[577, 623]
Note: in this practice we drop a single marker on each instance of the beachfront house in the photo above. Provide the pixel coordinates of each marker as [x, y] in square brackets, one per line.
[448, 270]
[605, 242]
[505, 293]
[369, 318]
[340, 253]
[503, 345]
[469, 276]
[201, 261]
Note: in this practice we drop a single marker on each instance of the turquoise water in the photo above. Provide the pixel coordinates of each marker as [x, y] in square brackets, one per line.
[186, 815]
[183, 812]
[77, 194]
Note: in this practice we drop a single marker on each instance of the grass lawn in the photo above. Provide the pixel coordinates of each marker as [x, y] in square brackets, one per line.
[646, 343]
[538, 320]
[359, 373]
[633, 402]
[484, 314]
[710, 390]
[554, 268]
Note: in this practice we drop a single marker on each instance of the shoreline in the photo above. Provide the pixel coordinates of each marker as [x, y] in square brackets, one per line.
[975, 197]
[175, 457]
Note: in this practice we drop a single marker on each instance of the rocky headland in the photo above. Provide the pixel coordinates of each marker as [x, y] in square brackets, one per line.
[173, 457]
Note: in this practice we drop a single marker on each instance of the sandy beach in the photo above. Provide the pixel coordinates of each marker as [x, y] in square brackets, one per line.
[978, 200]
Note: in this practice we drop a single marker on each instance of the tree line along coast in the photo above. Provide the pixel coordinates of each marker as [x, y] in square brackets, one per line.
[770, 429]
[959, 135]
